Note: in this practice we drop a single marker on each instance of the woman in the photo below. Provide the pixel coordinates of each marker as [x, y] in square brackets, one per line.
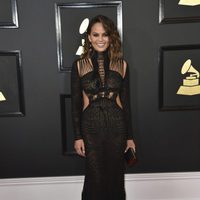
[101, 111]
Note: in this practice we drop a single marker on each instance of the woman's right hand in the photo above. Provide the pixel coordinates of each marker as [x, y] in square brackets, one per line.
[79, 147]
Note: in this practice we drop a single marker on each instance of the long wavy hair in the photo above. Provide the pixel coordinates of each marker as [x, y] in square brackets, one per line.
[114, 48]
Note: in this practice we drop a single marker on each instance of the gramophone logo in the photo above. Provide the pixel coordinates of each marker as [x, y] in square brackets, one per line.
[2, 98]
[191, 82]
[82, 30]
[189, 2]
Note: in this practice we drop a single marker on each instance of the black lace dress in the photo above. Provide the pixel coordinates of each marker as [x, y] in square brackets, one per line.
[103, 124]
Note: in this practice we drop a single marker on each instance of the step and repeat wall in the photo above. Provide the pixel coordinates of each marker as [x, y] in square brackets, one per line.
[39, 42]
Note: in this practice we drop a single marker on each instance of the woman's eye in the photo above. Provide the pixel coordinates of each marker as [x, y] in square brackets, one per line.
[105, 34]
[95, 35]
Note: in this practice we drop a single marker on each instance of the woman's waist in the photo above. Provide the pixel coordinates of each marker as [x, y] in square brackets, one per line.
[102, 102]
[105, 104]
[111, 95]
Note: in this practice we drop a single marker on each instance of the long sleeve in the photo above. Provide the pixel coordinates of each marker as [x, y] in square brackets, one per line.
[76, 101]
[125, 100]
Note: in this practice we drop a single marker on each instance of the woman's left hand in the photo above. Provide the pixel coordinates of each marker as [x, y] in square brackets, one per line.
[130, 143]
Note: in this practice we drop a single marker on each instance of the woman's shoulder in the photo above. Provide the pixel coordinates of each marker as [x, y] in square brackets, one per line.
[76, 65]
[76, 61]
[124, 61]
[80, 60]
[82, 65]
[124, 66]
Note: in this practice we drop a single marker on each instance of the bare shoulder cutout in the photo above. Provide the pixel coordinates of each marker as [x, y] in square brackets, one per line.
[85, 66]
[117, 66]
[85, 100]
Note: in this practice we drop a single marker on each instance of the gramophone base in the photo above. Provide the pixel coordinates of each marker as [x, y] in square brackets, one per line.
[185, 90]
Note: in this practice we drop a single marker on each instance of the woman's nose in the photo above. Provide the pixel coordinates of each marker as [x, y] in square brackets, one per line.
[100, 38]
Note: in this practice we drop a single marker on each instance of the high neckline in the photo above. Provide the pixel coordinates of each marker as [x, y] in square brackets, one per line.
[95, 54]
[105, 57]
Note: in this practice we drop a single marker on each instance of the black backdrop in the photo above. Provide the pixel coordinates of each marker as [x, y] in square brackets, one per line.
[32, 144]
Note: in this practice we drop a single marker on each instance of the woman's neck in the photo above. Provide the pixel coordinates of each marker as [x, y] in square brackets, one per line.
[96, 54]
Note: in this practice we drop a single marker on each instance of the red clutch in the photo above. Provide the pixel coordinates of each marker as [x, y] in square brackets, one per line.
[130, 156]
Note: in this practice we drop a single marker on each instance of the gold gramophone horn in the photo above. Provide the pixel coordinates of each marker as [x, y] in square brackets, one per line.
[187, 67]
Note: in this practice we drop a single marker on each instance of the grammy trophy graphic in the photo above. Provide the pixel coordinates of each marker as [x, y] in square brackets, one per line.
[189, 2]
[191, 82]
[82, 30]
[2, 97]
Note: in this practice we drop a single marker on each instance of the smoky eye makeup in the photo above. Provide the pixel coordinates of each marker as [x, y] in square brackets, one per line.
[97, 34]
[105, 34]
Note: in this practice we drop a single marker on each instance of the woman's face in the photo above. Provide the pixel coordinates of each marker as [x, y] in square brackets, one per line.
[99, 38]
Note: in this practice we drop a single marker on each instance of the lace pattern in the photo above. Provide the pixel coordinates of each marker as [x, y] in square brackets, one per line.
[99, 78]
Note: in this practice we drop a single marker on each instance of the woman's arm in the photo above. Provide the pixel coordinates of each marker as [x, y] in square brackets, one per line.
[125, 100]
[76, 101]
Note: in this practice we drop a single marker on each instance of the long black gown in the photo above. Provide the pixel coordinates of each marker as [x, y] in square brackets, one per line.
[103, 124]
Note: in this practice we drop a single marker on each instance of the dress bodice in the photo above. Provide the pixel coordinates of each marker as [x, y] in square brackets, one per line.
[96, 82]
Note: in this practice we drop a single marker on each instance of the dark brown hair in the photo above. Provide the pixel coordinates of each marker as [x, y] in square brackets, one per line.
[114, 48]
